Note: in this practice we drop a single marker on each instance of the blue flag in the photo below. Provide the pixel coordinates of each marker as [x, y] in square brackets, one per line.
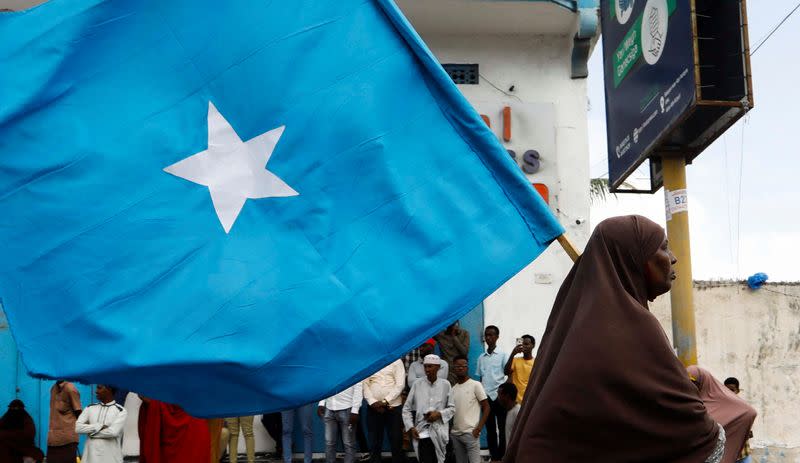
[242, 206]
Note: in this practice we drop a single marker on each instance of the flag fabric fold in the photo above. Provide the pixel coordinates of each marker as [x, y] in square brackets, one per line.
[143, 244]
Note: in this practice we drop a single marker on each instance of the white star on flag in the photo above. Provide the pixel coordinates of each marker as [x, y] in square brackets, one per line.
[234, 171]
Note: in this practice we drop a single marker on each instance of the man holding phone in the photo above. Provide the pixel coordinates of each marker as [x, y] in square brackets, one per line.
[519, 368]
[433, 405]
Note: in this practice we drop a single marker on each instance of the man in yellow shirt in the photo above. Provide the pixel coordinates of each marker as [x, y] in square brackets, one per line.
[519, 369]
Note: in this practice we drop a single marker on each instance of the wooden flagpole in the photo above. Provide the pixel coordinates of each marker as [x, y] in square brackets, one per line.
[569, 248]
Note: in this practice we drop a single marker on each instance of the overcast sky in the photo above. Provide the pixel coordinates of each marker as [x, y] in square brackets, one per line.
[760, 233]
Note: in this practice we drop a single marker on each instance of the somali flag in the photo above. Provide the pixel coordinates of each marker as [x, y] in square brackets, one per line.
[242, 206]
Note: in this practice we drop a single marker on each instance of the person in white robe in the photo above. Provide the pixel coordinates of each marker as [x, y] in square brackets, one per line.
[102, 423]
[433, 407]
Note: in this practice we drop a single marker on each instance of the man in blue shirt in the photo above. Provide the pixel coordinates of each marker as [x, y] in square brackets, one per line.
[490, 370]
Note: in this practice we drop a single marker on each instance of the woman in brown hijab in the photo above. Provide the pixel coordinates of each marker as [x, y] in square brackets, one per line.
[607, 386]
[727, 409]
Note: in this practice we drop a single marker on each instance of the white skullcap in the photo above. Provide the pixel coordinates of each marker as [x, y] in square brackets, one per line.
[431, 359]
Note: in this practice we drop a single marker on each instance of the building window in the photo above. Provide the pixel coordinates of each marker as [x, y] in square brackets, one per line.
[463, 74]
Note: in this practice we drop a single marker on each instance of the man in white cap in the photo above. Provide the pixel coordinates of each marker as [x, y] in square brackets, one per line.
[433, 404]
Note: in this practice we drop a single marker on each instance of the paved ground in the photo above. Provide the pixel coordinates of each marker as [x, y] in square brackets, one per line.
[298, 458]
[318, 457]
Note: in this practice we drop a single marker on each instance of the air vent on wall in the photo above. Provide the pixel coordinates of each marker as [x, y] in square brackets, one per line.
[464, 74]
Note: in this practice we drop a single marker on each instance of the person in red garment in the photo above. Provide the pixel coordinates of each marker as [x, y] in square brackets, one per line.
[167, 434]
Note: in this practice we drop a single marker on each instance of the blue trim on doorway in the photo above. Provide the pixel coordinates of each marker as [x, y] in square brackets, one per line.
[588, 29]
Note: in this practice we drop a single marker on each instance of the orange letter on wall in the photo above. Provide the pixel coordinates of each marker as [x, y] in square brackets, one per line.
[543, 191]
[507, 123]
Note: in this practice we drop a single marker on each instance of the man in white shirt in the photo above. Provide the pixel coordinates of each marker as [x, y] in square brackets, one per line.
[507, 398]
[472, 411]
[382, 392]
[102, 423]
[340, 412]
[432, 407]
[417, 370]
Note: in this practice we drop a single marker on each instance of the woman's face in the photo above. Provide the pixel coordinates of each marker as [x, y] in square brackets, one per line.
[659, 271]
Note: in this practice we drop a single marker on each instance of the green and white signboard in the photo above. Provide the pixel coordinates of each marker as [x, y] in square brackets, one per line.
[648, 56]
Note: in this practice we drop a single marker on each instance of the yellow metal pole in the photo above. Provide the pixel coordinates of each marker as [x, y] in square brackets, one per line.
[683, 326]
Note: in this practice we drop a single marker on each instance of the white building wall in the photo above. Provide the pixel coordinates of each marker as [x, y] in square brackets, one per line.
[539, 69]
[754, 336]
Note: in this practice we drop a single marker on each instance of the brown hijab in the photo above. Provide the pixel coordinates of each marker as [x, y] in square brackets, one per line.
[606, 386]
[727, 409]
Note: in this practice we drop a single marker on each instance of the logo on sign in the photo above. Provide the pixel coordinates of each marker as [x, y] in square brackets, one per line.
[623, 9]
[655, 23]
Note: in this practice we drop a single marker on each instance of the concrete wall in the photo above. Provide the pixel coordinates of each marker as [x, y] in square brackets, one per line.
[539, 69]
[17, 5]
[754, 336]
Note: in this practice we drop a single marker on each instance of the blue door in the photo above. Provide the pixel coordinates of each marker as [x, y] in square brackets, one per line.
[473, 323]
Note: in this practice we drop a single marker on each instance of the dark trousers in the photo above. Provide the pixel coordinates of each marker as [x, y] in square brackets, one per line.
[426, 452]
[496, 430]
[361, 439]
[62, 453]
[449, 453]
[274, 426]
[390, 422]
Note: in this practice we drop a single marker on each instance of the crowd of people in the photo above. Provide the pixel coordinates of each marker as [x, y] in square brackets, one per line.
[426, 401]
[641, 403]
